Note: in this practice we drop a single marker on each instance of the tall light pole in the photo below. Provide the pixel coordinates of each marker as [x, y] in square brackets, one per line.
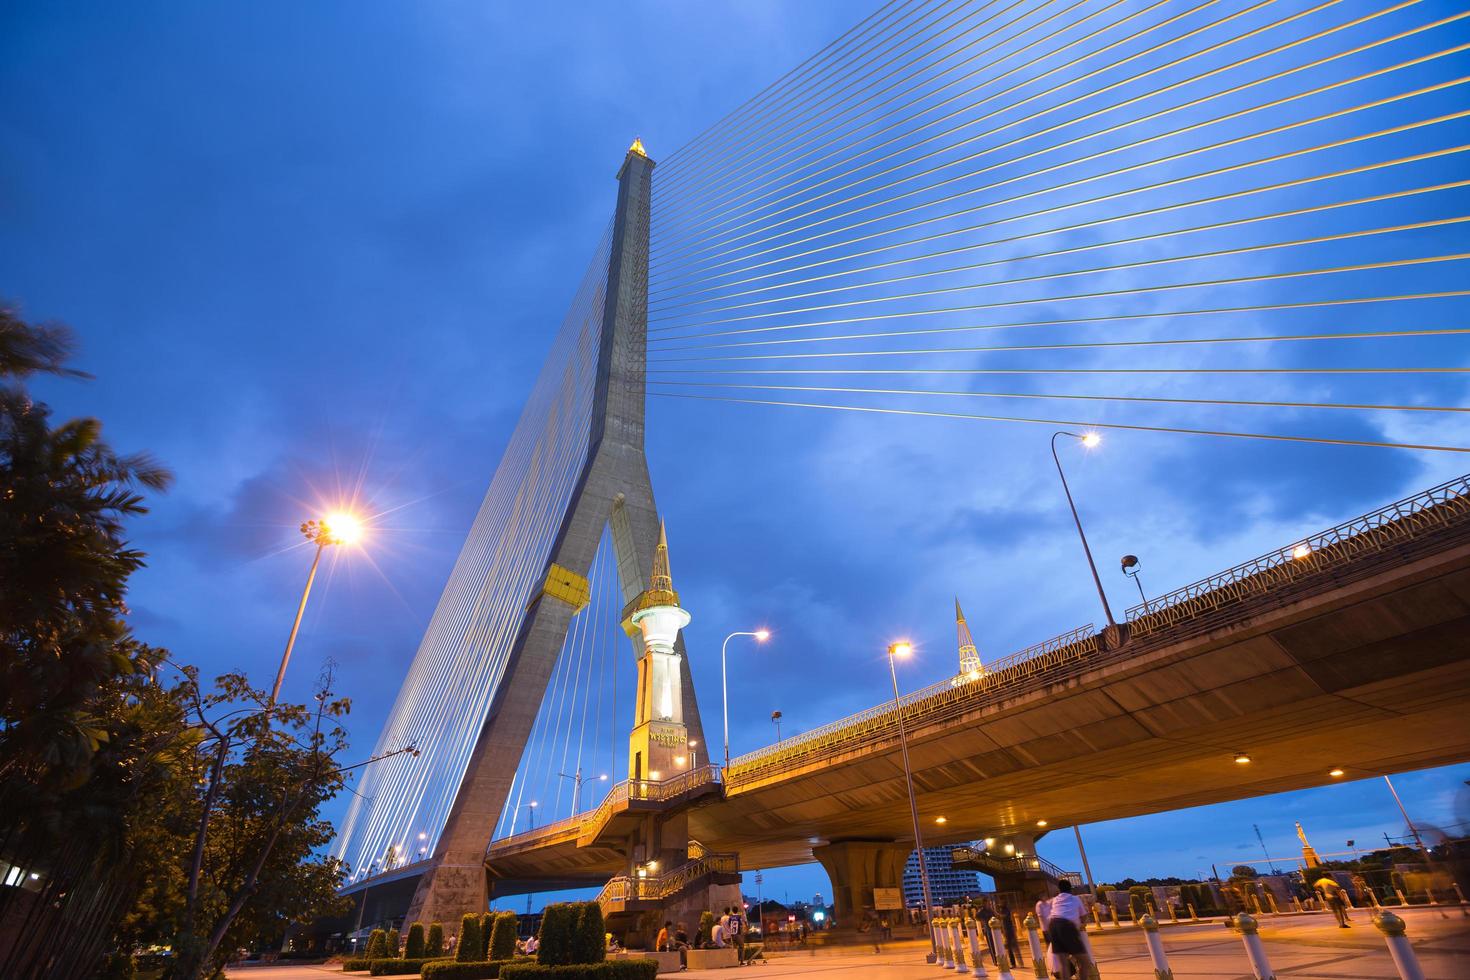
[1412, 829]
[1091, 885]
[576, 779]
[760, 637]
[903, 649]
[1130, 570]
[524, 806]
[333, 529]
[776, 720]
[1089, 440]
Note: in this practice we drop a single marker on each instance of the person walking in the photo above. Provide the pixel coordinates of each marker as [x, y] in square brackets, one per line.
[1008, 926]
[1065, 925]
[984, 914]
[1335, 898]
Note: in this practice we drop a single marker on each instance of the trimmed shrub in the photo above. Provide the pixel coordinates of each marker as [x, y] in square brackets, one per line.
[558, 923]
[503, 937]
[395, 945]
[377, 947]
[361, 963]
[434, 945]
[469, 948]
[414, 948]
[487, 925]
[405, 966]
[589, 939]
[449, 970]
[639, 969]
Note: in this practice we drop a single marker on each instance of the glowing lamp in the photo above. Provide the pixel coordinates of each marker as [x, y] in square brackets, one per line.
[1301, 551]
[762, 635]
[1241, 759]
[342, 527]
[901, 649]
[1091, 439]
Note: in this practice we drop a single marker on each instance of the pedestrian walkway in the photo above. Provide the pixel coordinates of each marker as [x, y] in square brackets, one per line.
[1305, 946]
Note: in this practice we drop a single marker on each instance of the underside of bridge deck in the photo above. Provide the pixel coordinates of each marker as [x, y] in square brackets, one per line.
[1369, 672]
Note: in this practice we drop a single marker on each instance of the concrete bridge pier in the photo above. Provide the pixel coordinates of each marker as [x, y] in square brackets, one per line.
[857, 867]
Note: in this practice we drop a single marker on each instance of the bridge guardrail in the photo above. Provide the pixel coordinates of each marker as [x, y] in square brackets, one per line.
[1427, 510]
[589, 822]
[1436, 508]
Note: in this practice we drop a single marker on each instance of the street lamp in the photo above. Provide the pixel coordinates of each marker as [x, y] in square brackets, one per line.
[776, 720]
[524, 806]
[761, 636]
[576, 779]
[1131, 562]
[1089, 440]
[338, 528]
[693, 754]
[902, 649]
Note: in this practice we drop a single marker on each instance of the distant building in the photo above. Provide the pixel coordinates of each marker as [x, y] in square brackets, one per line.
[946, 885]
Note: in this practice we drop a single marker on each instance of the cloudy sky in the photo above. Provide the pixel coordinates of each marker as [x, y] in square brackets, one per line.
[316, 254]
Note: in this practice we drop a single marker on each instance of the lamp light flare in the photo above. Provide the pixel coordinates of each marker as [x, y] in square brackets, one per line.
[1241, 759]
[901, 649]
[1335, 772]
[1041, 823]
[762, 635]
[941, 820]
[1301, 551]
[342, 527]
[1091, 440]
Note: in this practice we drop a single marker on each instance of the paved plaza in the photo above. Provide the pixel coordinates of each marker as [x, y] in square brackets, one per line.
[1298, 946]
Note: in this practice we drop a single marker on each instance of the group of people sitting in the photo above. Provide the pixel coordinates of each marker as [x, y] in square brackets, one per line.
[728, 930]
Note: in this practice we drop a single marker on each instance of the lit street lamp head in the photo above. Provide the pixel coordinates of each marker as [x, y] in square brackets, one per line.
[1091, 440]
[336, 528]
[900, 649]
[762, 635]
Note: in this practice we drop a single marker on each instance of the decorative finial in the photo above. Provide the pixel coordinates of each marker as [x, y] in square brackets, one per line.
[661, 581]
[637, 147]
[970, 669]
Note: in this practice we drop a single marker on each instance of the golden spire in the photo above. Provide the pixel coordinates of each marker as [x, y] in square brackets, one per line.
[637, 147]
[970, 668]
[661, 582]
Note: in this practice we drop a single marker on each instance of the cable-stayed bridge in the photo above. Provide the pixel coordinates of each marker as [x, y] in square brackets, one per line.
[1136, 216]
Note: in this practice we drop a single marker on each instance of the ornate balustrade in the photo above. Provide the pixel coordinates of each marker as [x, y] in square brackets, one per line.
[656, 888]
[1433, 511]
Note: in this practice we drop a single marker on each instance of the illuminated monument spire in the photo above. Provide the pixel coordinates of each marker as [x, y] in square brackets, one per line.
[659, 736]
[970, 668]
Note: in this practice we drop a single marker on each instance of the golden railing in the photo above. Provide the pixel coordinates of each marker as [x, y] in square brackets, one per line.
[656, 888]
[589, 823]
[1432, 510]
[1436, 510]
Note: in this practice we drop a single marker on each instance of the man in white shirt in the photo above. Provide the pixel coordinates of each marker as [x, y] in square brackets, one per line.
[1066, 932]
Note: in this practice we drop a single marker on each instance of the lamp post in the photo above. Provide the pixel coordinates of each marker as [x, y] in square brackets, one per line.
[1412, 829]
[333, 529]
[1131, 562]
[524, 806]
[760, 636]
[903, 649]
[576, 778]
[693, 754]
[776, 720]
[1089, 440]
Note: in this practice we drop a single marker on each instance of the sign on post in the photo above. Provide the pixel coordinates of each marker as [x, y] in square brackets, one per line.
[887, 899]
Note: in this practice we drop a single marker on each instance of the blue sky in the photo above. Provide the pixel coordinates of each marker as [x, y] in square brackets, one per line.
[318, 253]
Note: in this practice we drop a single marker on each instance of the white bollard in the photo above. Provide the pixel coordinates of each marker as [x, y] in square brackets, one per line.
[947, 960]
[1096, 916]
[972, 930]
[1156, 948]
[957, 938]
[1271, 898]
[1255, 951]
[938, 933]
[1033, 938]
[1002, 961]
[1404, 959]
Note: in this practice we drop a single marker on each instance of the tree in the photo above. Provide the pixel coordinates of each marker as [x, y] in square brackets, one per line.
[377, 946]
[434, 945]
[256, 833]
[468, 950]
[558, 924]
[1244, 872]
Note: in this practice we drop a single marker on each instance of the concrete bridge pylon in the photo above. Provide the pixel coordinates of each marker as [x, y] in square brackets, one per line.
[613, 490]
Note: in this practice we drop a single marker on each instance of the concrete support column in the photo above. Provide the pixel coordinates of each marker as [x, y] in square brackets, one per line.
[855, 869]
[1404, 958]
